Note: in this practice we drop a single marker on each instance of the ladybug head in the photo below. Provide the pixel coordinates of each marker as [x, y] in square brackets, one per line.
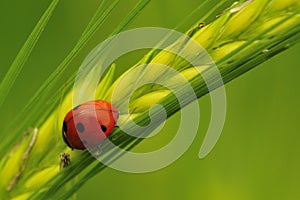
[64, 131]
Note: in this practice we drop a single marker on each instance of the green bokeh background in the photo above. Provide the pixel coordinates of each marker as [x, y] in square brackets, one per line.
[257, 156]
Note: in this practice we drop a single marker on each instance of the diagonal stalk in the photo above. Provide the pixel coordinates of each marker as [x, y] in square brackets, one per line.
[17, 65]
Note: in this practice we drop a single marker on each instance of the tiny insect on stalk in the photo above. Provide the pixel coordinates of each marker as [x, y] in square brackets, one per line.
[64, 160]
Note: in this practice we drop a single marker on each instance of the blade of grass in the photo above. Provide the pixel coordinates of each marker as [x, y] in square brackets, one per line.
[25, 52]
[96, 16]
[132, 15]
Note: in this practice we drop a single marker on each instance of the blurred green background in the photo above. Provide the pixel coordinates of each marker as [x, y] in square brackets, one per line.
[257, 156]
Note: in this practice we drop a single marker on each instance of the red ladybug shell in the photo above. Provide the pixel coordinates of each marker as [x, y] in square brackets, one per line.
[88, 124]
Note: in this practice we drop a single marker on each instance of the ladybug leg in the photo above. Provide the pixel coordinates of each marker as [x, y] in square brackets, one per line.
[97, 151]
[64, 160]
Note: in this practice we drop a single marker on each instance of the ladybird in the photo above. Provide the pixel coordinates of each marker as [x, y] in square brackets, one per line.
[88, 124]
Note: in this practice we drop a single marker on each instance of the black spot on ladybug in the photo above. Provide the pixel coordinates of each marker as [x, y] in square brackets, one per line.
[80, 127]
[103, 128]
[75, 108]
